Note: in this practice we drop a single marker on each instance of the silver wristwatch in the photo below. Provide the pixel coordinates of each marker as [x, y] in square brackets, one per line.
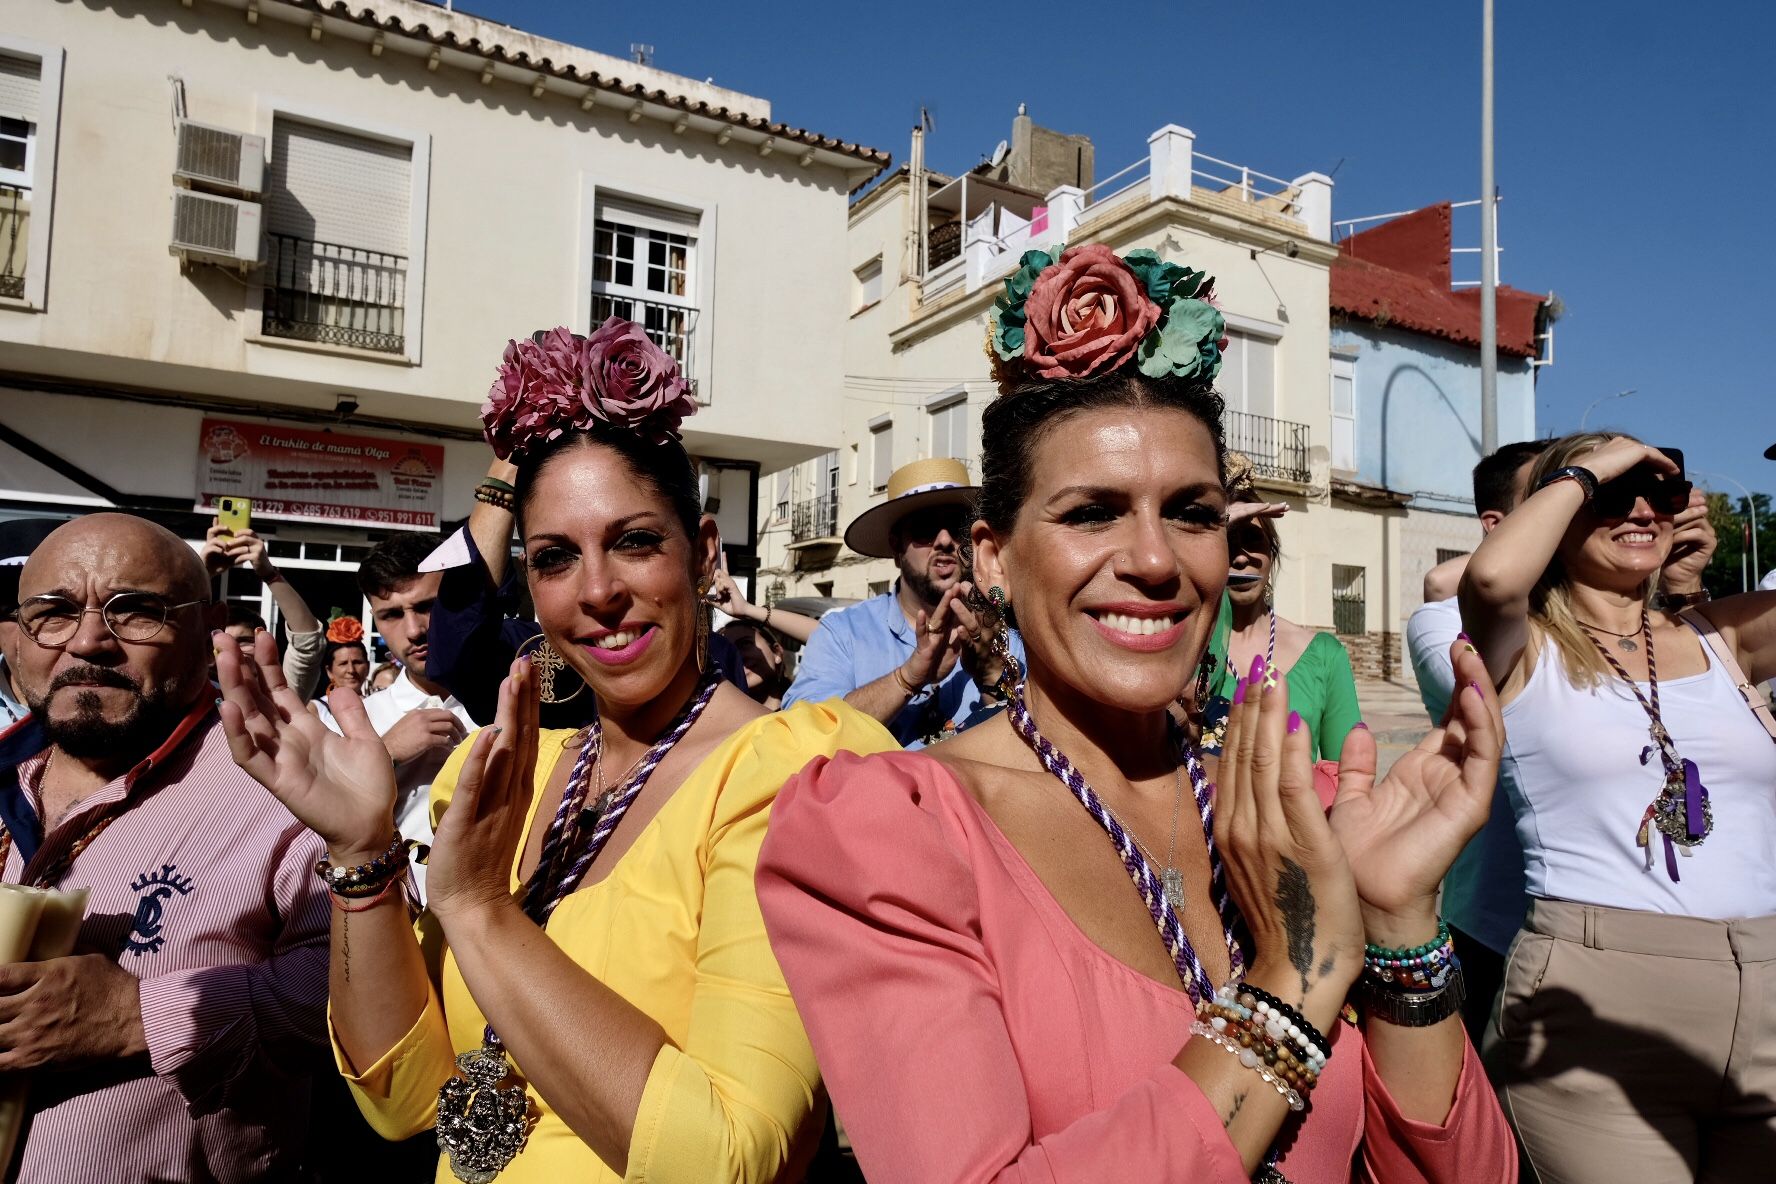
[1414, 1009]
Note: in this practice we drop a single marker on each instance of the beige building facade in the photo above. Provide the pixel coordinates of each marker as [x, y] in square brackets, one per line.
[313, 222]
[927, 255]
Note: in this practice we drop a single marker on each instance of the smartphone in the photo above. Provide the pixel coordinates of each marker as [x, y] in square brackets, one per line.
[235, 514]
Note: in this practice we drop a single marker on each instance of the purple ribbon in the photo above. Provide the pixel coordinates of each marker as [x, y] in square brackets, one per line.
[1694, 795]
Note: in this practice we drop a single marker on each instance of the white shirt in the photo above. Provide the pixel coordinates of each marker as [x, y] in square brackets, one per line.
[1580, 791]
[1483, 894]
[413, 805]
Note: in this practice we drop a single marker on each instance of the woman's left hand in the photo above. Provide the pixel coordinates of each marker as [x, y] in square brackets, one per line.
[1402, 834]
[476, 844]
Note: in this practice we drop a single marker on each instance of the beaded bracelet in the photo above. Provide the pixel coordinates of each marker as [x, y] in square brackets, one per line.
[1278, 1021]
[1242, 1026]
[496, 483]
[488, 495]
[1382, 954]
[366, 879]
[1423, 968]
[1252, 1061]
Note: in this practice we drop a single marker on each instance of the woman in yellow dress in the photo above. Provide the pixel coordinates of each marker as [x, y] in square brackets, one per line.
[641, 1030]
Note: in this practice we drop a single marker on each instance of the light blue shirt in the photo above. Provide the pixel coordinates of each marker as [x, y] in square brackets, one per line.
[857, 645]
[11, 710]
[1484, 894]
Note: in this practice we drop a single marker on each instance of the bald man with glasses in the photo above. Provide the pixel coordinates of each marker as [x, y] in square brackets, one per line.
[178, 1043]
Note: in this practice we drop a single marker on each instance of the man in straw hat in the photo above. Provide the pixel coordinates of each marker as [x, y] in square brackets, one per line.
[917, 657]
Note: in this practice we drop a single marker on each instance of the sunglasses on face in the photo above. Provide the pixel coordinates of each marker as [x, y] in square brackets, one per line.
[1666, 495]
[924, 528]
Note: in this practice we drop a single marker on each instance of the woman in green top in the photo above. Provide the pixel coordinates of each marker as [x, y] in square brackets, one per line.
[1322, 688]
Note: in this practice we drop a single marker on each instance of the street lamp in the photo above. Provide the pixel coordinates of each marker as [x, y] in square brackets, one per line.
[1604, 399]
[1750, 504]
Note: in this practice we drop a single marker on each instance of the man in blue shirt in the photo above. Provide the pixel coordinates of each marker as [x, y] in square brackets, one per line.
[917, 657]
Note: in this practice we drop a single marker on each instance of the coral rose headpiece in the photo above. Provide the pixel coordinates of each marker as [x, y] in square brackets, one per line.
[558, 382]
[1083, 312]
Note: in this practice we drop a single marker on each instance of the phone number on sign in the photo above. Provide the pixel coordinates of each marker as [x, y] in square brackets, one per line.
[366, 515]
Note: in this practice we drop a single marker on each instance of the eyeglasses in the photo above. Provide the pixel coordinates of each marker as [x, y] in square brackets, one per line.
[131, 616]
[1615, 499]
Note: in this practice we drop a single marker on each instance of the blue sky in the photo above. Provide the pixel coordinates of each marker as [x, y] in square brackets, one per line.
[1635, 147]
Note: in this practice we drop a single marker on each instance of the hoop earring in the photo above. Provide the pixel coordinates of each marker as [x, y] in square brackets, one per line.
[1011, 671]
[548, 662]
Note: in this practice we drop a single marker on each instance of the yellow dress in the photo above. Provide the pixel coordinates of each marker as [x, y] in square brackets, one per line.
[675, 929]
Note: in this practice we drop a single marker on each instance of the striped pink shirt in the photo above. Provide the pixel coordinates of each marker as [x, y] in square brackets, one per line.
[204, 888]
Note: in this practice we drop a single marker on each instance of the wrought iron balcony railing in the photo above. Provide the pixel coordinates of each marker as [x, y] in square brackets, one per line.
[335, 294]
[1277, 447]
[816, 518]
[15, 217]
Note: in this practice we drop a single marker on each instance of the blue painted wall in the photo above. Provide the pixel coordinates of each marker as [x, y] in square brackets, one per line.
[1418, 412]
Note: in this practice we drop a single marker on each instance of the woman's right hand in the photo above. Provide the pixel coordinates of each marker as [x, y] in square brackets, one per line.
[1285, 868]
[1620, 455]
[340, 787]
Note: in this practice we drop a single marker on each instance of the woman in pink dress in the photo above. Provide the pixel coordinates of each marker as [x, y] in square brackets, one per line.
[1041, 951]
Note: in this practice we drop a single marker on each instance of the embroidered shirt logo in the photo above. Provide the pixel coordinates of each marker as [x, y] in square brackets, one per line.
[156, 888]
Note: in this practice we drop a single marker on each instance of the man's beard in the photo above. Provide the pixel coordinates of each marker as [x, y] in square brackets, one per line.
[926, 588]
[87, 734]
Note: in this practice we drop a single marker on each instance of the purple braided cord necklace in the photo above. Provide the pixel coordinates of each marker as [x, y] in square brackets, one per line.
[559, 871]
[1191, 972]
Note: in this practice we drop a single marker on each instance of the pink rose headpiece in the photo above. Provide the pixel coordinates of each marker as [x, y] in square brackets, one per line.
[1083, 312]
[558, 381]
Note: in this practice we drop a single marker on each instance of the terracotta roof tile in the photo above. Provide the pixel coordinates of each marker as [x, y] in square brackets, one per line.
[1398, 275]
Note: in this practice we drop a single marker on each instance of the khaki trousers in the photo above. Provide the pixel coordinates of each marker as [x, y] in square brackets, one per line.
[1634, 1046]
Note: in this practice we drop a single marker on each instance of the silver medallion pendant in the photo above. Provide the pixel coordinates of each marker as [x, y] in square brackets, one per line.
[1173, 881]
[1627, 644]
[482, 1123]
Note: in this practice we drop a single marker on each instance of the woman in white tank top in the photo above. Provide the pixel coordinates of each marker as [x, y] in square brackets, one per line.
[1640, 997]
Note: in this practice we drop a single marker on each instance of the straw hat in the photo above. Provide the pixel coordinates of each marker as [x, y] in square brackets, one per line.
[939, 481]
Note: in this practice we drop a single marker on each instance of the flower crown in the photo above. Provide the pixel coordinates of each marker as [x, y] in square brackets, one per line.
[558, 382]
[1082, 311]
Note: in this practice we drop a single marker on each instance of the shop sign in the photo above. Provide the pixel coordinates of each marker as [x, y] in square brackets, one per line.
[312, 476]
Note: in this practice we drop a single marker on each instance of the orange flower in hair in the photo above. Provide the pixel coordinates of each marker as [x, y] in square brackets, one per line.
[342, 629]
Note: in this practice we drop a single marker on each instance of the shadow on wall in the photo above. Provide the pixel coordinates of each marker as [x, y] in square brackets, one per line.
[1416, 428]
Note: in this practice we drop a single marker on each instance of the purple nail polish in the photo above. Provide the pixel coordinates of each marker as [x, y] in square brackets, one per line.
[1463, 637]
[1477, 689]
[1257, 669]
[1239, 691]
[1361, 724]
[1294, 723]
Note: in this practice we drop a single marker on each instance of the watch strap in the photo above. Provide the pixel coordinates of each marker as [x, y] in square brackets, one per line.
[1415, 1009]
[1586, 479]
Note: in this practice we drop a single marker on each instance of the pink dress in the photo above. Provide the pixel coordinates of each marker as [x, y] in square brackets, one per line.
[969, 1031]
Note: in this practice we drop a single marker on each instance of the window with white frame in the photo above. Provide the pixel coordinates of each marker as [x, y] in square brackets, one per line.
[338, 233]
[1248, 374]
[20, 95]
[949, 427]
[867, 286]
[1344, 416]
[644, 269]
[881, 454]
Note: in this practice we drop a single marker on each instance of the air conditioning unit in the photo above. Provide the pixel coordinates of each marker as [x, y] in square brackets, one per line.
[215, 156]
[209, 229]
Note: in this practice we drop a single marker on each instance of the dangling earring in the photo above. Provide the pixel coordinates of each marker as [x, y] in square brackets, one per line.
[548, 663]
[705, 621]
[1205, 674]
[1011, 671]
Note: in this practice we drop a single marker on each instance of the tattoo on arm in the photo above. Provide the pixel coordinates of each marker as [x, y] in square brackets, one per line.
[1294, 896]
[1233, 1112]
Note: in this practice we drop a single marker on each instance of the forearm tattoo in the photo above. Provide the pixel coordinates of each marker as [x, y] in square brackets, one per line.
[1294, 896]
